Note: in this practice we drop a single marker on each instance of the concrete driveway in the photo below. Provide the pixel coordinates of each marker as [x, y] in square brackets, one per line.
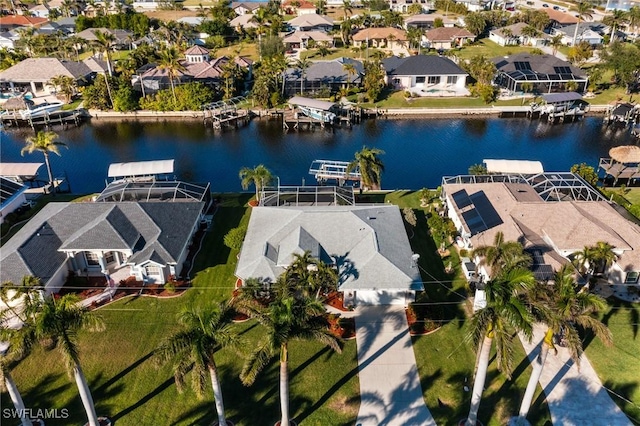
[390, 391]
[575, 397]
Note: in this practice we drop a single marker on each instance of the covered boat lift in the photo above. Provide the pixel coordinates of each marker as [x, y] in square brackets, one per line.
[623, 163]
[314, 108]
[140, 170]
[20, 172]
[525, 167]
[560, 105]
[324, 170]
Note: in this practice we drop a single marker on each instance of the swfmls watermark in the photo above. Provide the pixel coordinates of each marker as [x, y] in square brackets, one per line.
[36, 413]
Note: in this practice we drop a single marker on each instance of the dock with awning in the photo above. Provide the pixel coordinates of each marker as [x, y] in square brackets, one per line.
[560, 107]
[20, 172]
[141, 170]
[325, 170]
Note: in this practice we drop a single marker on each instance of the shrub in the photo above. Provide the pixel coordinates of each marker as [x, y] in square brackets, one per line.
[235, 237]
[170, 287]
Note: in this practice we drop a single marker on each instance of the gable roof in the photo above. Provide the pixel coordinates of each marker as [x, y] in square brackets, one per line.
[423, 18]
[43, 69]
[21, 21]
[156, 231]
[244, 21]
[299, 36]
[369, 241]
[310, 20]
[516, 31]
[559, 16]
[448, 34]
[421, 65]
[196, 50]
[380, 34]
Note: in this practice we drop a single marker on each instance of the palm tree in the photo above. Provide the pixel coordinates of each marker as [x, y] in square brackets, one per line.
[64, 85]
[555, 43]
[259, 176]
[169, 60]
[105, 42]
[584, 11]
[502, 255]
[302, 64]
[289, 316]
[367, 161]
[347, 7]
[633, 16]
[351, 72]
[504, 313]
[261, 18]
[564, 309]
[529, 32]
[203, 332]
[308, 275]
[60, 321]
[44, 142]
[12, 389]
[603, 255]
[345, 31]
[615, 20]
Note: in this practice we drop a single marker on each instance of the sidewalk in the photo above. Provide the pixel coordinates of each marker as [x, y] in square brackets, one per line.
[575, 398]
[390, 390]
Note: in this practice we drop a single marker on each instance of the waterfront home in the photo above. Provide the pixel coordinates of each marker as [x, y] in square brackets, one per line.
[333, 74]
[198, 66]
[307, 39]
[514, 35]
[448, 37]
[146, 240]
[538, 74]
[298, 7]
[311, 22]
[367, 245]
[428, 20]
[8, 39]
[590, 32]
[12, 197]
[426, 75]
[384, 37]
[554, 215]
[35, 73]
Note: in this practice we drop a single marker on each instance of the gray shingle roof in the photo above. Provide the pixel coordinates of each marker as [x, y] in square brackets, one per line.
[43, 69]
[540, 64]
[328, 71]
[157, 231]
[368, 243]
[421, 65]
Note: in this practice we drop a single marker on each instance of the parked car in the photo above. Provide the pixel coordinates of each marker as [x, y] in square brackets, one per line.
[556, 7]
[545, 5]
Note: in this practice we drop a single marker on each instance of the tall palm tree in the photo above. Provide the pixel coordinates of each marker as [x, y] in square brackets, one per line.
[370, 166]
[203, 332]
[169, 60]
[310, 275]
[504, 313]
[555, 43]
[351, 72]
[302, 64]
[44, 142]
[502, 255]
[583, 11]
[261, 18]
[60, 321]
[564, 309]
[20, 302]
[615, 20]
[105, 42]
[347, 6]
[290, 316]
[603, 255]
[259, 176]
[633, 16]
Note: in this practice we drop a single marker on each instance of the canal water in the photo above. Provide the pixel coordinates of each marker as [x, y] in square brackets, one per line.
[418, 152]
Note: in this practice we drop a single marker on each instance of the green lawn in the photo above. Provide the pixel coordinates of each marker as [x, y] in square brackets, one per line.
[615, 364]
[397, 100]
[129, 388]
[489, 49]
[633, 195]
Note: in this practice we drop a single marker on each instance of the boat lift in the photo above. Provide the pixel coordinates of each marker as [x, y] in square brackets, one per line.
[325, 170]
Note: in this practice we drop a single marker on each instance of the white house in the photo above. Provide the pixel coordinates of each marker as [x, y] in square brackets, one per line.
[12, 197]
[586, 32]
[367, 245]
[426, 75]
[514, 35]
[311, 22]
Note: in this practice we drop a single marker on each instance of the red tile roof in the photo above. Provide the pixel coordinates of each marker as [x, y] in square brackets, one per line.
[22, 21]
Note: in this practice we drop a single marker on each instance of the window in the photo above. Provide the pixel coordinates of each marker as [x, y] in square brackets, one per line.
[396, 81]
[152, 270]
[452, 79]
[420, 80]
[632, 277]
[109, 257]
[434, 79]
[92, 259]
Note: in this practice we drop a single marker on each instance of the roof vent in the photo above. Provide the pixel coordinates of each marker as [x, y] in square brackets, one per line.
[371, 217]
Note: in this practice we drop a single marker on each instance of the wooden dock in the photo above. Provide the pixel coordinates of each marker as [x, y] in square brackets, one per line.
[62, 118]
[226, 113]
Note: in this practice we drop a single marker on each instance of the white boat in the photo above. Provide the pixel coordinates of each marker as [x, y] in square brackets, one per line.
[325, 116]
[41, 110]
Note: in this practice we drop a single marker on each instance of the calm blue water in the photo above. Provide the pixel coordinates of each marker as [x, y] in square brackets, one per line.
[418, 152]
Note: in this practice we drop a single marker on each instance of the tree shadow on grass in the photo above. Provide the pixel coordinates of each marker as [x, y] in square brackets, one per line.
[103, 387]
[155, 392]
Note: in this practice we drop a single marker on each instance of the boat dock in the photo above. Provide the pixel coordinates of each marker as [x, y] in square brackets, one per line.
[331, 170]
[226, 113]
[49, 119]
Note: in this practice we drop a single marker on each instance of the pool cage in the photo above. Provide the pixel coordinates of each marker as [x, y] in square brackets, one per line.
[307, 196]
[145, 191]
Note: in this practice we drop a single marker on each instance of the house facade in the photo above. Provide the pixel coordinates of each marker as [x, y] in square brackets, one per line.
[367, 245]
[448, 37]
[516, 34]
[426, 75]
[385, 37]
[146, 240]
[311, 22]
[590, 32]
[554, 215]
[333, 74]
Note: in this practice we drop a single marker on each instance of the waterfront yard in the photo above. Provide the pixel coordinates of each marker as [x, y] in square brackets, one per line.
[132, 390]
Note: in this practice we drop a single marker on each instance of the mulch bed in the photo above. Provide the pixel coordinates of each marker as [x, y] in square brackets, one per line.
[335, 299]
[344, 328]
[419, 322]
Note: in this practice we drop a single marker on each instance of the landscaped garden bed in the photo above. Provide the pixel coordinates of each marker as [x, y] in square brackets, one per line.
[345, 328]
